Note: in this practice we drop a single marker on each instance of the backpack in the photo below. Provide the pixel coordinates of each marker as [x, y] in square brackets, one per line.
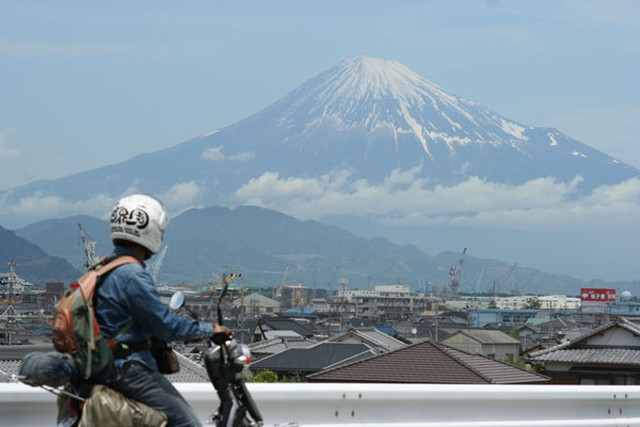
[75, 328]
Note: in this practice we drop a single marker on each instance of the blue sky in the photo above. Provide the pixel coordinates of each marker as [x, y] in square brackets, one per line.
[87, 84]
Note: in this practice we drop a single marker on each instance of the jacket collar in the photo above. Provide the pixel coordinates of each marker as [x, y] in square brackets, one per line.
[121, 250]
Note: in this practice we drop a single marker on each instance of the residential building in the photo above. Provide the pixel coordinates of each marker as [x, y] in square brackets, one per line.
[494, 344]
[265, 327]
[501, 317]
[256, 305]
[608, 355]
[384, 301]
[545, 302]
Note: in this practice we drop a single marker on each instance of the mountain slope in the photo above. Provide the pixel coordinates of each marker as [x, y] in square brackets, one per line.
[32, 263]
[61, 237]
[270, 249]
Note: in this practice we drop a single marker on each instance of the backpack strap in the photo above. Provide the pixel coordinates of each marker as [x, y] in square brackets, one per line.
[110, 263]
[105, 266]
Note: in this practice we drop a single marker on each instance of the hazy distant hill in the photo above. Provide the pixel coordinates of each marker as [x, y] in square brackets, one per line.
[61, 237]
[32, 263]
[270, 248]
[274, 248]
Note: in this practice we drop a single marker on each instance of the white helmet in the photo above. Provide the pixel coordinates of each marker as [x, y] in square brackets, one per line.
[140, 219]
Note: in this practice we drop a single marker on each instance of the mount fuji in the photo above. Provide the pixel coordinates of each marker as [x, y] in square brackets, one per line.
[336, 145]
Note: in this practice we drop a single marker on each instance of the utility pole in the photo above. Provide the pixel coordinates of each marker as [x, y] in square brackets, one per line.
[342, 301]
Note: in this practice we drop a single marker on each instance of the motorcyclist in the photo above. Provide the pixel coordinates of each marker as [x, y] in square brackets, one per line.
[127, 295]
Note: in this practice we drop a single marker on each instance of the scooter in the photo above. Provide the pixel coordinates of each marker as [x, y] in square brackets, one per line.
[224, 362]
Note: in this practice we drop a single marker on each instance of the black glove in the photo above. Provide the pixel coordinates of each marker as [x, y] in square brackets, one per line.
[221, 334]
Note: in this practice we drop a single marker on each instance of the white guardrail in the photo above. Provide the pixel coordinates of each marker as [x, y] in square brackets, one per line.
[377, 405]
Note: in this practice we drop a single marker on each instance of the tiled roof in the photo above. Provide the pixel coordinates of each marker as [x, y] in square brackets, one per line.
[313, 359]
[277, 345]
[190, 372]
[429, 363]
[371, 336]
[11, 359]
[17, 352]
[604, 356]
[576, 343]
[284, 323]
[488, 337]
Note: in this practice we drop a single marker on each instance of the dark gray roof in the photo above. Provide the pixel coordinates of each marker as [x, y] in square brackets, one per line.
[429, 363]
[17, 352]
[190, 372]
[616, 356]
[11, 359]
[288, 324]
[278, 345]
[313, 359]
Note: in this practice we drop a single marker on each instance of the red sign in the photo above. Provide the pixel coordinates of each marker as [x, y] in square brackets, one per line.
[598, 294]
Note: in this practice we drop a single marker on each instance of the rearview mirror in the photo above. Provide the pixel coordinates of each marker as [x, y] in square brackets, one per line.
[177, 301]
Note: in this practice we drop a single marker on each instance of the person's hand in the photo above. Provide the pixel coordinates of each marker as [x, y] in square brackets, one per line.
[221, 334]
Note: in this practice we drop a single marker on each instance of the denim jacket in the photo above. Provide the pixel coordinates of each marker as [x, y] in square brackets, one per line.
[128, 293]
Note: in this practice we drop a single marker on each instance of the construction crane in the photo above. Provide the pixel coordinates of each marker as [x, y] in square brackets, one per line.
[454, 273]
[476, 285]
[89, 247]
[514, 291]
[153, 267]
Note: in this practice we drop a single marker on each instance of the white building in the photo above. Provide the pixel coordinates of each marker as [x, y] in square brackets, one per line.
[395, 301]
[547, 302]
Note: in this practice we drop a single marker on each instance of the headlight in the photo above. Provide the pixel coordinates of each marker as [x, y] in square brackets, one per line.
[242, 356]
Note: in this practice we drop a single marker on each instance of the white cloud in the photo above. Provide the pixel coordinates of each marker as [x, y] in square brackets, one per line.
[39, 203]
[215, 154]
[177, 198]
[243, 156]
[6, 151]
[405, 199]
[180, 195]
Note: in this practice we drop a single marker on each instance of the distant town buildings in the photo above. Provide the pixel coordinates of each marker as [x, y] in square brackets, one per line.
[299, 331]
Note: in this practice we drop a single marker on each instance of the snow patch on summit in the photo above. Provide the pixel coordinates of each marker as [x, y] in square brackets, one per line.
[370, 93]
[513, 129]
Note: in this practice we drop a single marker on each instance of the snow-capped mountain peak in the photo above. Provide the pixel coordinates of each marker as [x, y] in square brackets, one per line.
[364, 121]
[377, 94]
